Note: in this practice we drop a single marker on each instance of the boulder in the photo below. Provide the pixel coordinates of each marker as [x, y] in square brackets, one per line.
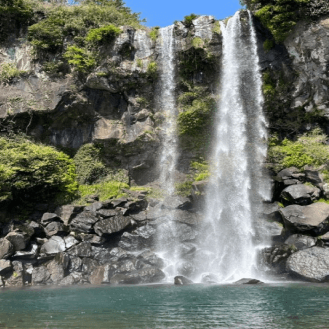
[149, 257]
[145, 275]
[54, 228]
[94, 206]
[324, 239]
[313, 176]
[177, 202]
[300, 194]
[56, 271]
[5, 266]
[17, 277]
[18, 240]
[310, 264]
[248, 281]
[83, 249]
[312, 219]
[50, 217]
[275, 257]
[70, 241]
[97, 276]
[75, 264]
[88, 265]
[6, 248]
[73, 278]
[112, 224]
[271, 212]
[67, 213]
[106, 213]
[30, 253]
[53, 246]
[102, 255]
[40, 275]
[84, 222]
[139, 239]
[300, 241]
[182, 281]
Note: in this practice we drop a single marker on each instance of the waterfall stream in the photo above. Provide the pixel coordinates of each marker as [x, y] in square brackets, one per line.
[167, 241]
[228, 249]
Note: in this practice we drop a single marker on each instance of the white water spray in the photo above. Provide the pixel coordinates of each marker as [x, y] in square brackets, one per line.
[237, 186]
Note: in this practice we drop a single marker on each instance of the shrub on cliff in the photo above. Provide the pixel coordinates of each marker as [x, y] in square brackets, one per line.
[89, 165]
[34, 172]
[309, 149]
[103, 34]
[280, 16]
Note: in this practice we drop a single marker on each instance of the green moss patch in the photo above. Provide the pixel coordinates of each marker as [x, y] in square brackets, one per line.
[309, 149]
[31, 171]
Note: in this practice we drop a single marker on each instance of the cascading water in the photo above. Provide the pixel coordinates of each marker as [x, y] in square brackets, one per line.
[167, 231]
[237, 186]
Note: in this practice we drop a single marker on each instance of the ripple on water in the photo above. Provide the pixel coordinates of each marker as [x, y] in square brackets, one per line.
[197, 306]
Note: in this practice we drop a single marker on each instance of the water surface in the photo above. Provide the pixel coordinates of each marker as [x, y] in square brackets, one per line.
[198, 306]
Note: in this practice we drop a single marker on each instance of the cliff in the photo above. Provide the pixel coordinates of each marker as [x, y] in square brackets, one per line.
[92, 92]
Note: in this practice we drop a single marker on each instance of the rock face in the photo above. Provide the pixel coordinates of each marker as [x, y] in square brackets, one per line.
[312, 219]
[310, 264]
[182, 281]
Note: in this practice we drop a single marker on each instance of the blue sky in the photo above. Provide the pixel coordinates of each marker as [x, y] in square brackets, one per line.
[165, 12]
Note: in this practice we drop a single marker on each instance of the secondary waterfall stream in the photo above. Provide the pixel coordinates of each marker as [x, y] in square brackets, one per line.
[167, 242]
[228, 247]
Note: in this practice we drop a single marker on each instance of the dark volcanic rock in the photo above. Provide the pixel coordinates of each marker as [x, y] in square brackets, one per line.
[54, 245]
[40, 275]
[84, 222]
[151, 258]
[182, 281]
[81, 250]
[177, 202]
[49, 217]
[18, 240]
[312, 219]
[310, 264]
[276, 257]
[6, 248]
[300, 241]
[112, 225]
[5, 266]
[271, 212]
[30, 253]
[54, 228]
[300, 194]
[248, 281]
[145, 275]
[140, 238]
[67, 213]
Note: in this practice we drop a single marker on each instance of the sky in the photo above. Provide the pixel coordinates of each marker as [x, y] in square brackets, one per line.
[165, 12]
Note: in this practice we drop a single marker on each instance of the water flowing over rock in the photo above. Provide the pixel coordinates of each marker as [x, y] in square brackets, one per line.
[166, 243]
[237, 185]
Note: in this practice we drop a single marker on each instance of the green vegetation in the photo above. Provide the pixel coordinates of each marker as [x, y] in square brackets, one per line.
[280, 16]
[102, 35]
[154, 33]
[188, 20]
[197, 42]
[31, 171]
[196, 109]
[309, 149]
[89, 165]
[14, 15]
[216, 28]
[152, 70]
[199, 170]
[8, 72]
[82, 60]
[104, 190]
[268, 45]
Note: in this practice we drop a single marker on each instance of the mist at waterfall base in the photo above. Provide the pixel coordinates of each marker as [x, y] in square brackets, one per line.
[288, 306]
[229, 237]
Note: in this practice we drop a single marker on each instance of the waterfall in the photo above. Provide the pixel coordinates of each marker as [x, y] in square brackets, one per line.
[169, 153]
[237, 186]
[167, 240]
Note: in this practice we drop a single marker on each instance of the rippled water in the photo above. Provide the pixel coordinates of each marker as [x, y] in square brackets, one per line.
[197, 306]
